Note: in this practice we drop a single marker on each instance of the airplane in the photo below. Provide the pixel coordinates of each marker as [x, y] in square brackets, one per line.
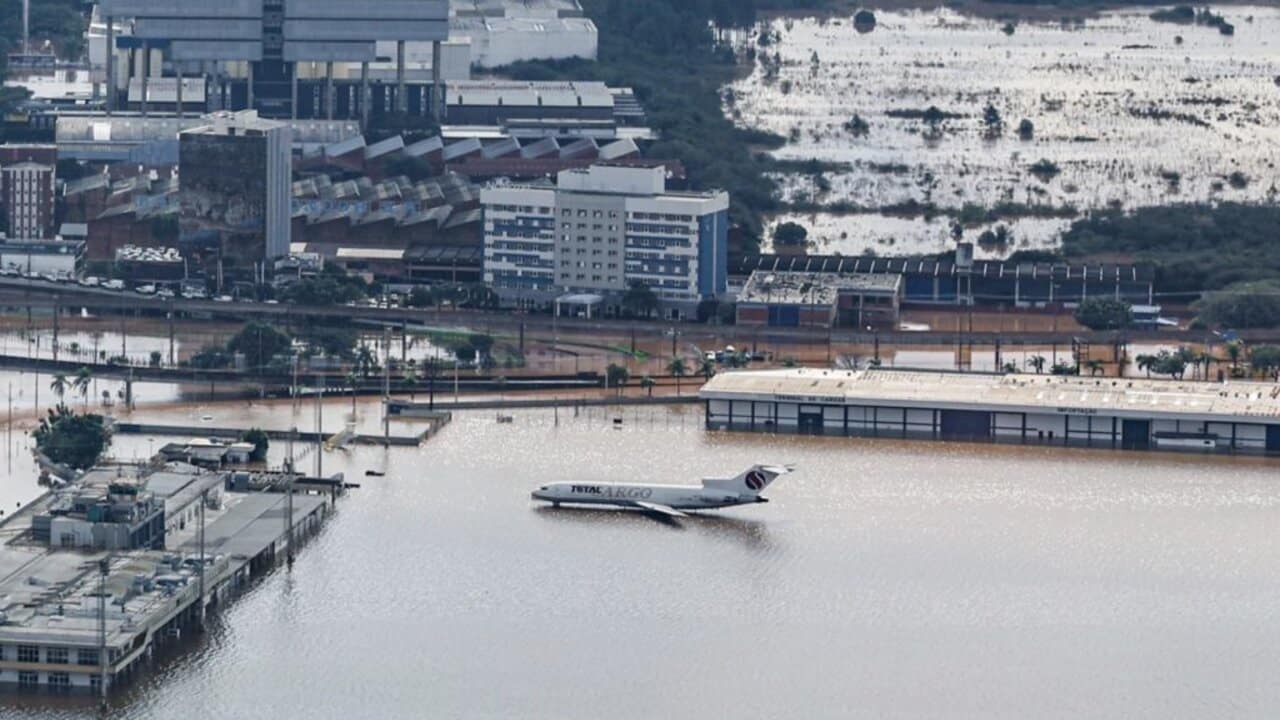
[669, 500]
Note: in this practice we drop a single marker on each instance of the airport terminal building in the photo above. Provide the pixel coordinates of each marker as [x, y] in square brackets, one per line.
[1121, 413]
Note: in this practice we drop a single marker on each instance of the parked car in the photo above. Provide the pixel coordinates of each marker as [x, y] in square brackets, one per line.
[145, 289]
[113, 284]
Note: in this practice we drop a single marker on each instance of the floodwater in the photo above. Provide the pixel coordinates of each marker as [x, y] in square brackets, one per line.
[1133, 113]
[885, 579]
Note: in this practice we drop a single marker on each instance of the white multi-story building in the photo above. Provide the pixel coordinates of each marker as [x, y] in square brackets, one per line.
[601, 229]
[28, 199]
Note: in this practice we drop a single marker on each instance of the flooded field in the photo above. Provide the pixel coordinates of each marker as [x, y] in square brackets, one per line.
[1123, 110]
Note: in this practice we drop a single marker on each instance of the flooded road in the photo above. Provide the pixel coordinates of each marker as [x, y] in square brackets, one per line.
[901, 579]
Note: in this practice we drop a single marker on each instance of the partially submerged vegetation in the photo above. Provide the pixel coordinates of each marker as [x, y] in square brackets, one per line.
[1193, 247]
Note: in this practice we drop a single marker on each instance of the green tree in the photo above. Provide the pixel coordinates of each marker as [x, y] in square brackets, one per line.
[1265, 360]
[76, 441]
[366, 361]
[1036, 362]
[82, 382]
[678, 369]
[59, 386]
[707, 368]
[648, 383]
[639, 299]
[1147, 363]
[261, 443]
[482, 343]
[790, 235]
[1235, 349]
[992, 123]
[259, 343]
[616, 376]
[156, 358]
[1104, 314]
[1245, 305]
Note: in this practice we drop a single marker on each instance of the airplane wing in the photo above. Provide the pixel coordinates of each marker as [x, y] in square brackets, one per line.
[660, 509]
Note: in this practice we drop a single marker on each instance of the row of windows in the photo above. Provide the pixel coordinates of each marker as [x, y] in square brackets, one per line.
[657, 243]
[517, 245]
[521, 260]
[594, 226]
[594, 265]
[568, 212]
[52, 655]
[661, 216]
[594, 278]
[526, 209]
[597, 239]
[594, 251]
[663, 229]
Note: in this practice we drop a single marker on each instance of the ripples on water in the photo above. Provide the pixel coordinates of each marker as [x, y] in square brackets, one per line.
[897, 579]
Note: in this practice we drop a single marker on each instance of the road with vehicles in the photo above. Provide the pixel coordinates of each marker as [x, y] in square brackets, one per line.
[23, 294]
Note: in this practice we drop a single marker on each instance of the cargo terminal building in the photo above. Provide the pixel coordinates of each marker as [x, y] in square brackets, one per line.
[1121, 413]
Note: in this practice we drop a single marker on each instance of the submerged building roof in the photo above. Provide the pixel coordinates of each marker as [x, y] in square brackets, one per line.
[1241, 401]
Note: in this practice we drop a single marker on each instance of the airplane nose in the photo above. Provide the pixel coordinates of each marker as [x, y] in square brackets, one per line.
[762, 499]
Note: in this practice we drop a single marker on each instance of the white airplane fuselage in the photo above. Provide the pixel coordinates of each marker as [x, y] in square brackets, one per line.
[680, 497]
[741, 489]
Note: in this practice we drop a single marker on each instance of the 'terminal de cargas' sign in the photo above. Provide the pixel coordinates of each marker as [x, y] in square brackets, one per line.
[837, 399]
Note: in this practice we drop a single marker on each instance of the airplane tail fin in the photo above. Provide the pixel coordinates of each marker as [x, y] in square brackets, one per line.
[751, 481]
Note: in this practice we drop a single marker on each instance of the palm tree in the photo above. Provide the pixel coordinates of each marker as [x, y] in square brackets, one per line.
[616, 375]
[1146, 363]
[1235, 350]
[647, 383]
[81, 383]
[1037, 363]
[1095, 366]
[366, 361]
[59, 386]
[1009, 368]
[677, 368]
[707, 368]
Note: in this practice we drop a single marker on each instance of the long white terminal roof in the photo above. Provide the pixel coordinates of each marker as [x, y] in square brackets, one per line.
[1256, 402]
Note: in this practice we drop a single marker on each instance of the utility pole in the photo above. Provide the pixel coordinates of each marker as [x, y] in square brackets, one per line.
[204, 500]
[319, 427]
[288, 503]
[386, 385]
[104, 567]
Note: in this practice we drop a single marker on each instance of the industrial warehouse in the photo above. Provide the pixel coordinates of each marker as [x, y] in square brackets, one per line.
[1130, 414]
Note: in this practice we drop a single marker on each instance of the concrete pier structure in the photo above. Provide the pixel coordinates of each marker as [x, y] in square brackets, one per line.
[74, 618]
